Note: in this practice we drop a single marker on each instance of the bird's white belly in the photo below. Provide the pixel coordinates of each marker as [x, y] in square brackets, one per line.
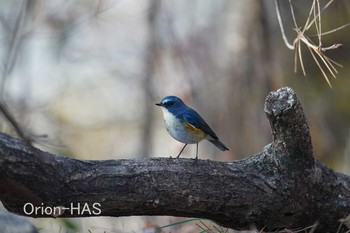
[178, 129]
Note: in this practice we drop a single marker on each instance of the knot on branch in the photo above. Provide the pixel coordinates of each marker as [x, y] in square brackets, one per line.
[289, 127]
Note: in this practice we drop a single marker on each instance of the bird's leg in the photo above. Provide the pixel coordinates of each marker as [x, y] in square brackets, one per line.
[196, 153]
[181, 150]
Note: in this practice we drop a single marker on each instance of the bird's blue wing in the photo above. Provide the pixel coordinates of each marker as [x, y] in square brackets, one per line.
[193, 118]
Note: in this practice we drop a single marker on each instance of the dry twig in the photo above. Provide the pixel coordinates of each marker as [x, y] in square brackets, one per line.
[316, 50]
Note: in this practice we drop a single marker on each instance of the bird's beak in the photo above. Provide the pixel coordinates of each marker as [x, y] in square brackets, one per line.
[158, 104]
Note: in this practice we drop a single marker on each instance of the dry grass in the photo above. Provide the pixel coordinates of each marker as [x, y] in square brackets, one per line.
[326, 65]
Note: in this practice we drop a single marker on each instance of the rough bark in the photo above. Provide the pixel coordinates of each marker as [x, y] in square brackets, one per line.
[283, 186]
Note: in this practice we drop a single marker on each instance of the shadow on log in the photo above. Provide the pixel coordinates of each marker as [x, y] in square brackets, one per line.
[283, 186]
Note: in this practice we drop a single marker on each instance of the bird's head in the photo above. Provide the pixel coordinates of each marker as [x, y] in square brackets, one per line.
[171, 102]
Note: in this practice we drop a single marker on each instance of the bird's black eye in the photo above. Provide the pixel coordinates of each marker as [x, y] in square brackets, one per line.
[170, 103]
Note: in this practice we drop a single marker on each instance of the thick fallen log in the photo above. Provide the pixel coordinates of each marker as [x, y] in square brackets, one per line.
[283, 186]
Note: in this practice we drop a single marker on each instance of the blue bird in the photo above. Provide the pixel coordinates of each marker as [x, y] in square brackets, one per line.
[186, 125]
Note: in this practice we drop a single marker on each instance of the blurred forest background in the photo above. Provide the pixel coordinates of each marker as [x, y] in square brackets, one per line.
[81, 78]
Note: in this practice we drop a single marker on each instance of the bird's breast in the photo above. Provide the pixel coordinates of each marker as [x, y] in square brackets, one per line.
[182, 130]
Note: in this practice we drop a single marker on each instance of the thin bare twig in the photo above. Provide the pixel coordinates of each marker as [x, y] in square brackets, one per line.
[6, 113]
[307, 27]
[333, 30]
[293, 15]
[289, 45]
[319, 66]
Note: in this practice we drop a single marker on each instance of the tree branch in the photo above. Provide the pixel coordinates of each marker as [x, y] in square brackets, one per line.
[283, 186]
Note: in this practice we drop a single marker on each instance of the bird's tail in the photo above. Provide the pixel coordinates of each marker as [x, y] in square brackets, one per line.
[219, 144]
